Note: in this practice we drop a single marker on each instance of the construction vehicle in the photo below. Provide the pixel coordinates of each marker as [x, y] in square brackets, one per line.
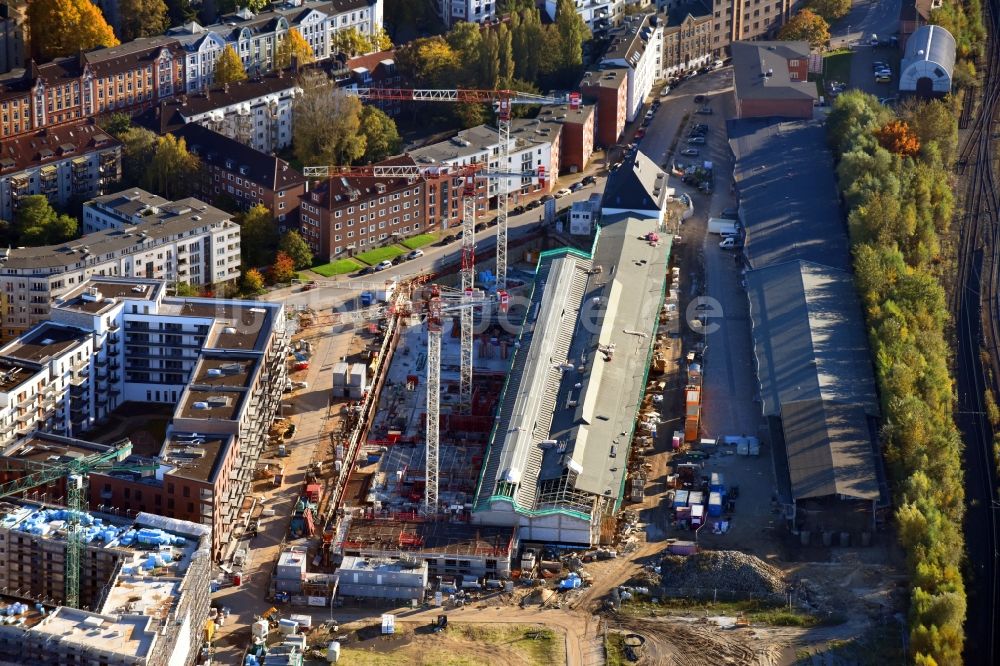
[75, 472]
[303, 523]
[440, 624]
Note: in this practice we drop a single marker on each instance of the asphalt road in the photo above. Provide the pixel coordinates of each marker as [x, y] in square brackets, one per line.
[867, 17]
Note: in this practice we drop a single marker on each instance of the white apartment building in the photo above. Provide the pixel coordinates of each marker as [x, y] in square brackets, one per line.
[181, 241]
[77, 159]
[597, 14]
[255, 37]
[473, 11]
[638, 46]
[220, 362]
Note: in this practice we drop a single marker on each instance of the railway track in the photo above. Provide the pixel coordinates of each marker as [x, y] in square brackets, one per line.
[976, 308]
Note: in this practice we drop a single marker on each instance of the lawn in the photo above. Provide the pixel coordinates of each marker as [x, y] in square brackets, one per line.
[379, 254]
[836, 67]
[614, 649]
[338, 267]
[420, 240]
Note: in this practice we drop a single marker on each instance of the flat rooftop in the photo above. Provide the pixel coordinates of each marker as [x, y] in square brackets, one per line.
[236, 325]
[128, 202]
[195, 455]
[44, 342]
[13, 375]
[132, 635]
[210, 404]
[216, 372]
[97, 296]
[430, 537]
[52, 449]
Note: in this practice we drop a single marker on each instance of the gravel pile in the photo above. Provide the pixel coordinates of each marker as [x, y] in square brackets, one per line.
[723, 570]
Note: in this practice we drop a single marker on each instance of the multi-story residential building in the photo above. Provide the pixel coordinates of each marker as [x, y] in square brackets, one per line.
[733, 21]
[528, 151]
[608, 88]
[246, 175]
[772, 80]
[637, 45]
[473, 11]
[12, 35]
[255, 37]
[256, 112]
[75, 160]
[576, 140]
[376, 70]
[182, 241]
[221, 363]
[352, 214]
[687, 39]
[124, 78]
[597, 14]
[135, 614]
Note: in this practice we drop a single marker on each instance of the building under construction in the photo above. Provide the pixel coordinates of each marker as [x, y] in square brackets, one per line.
[144, 585]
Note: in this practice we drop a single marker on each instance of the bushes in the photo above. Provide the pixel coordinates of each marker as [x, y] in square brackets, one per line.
[899, 205]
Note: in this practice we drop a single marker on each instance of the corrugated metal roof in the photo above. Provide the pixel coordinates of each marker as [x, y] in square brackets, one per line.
[931, 43]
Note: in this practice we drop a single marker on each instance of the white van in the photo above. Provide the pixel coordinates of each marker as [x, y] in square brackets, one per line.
[728, 243]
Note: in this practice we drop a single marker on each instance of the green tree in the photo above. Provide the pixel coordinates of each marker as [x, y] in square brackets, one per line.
[379, 40]
[256, 6]
[252, 282]
[180, 12]
[173, 171]
[830, 10]
[37, 223]
[283, 269]
[229, 68]
[327, 123]
[429, 61]
[349, 42]
[381, 136]
[488, 61]
[806, 26]
[296, 248]
[116, 123]
[293, 46]
[258, 236]
[66, 27]
[138, 148]
[528, 41]
[572, 33]
[185, 289]
[505, 55]
[141, 18]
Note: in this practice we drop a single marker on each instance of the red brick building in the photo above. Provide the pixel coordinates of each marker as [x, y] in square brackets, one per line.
[246, 175]
[124, 78]
[772, 80]
[608, 89]
[576, 141]
[377, 70]
[346, 215]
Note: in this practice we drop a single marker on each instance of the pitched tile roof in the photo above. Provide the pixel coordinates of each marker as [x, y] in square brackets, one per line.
[51, 145]
[218, 150]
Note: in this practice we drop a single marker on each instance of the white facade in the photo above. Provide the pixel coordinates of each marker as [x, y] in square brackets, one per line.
[583, 215]
[638, 48]
[264, 123]
[595, 13]
[255, 37]
[473, 11]
[185, 241]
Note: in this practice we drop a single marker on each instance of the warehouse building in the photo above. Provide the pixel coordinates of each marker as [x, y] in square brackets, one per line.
[144, 584]
[928, 63]
[555, 468]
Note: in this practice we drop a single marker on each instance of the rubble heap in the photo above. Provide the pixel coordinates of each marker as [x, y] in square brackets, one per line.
[724, 570]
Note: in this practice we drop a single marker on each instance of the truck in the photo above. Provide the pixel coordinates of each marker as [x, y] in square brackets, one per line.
[717, 225]
[692, 413]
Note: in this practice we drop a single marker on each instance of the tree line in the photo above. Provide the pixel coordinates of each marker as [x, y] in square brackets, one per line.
[894, 178]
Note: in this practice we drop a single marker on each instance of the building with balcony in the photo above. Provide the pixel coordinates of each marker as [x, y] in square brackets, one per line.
[637, 45]
[221, 363]
[182, 241]
[256, 37]
[348, 214]
[734, 21]
[135, 611]
[473, 11]
[608, 89]
[597, 14]
[687, 38]
[13, 31]
[74, 160]
[256, 112]
[247, 176]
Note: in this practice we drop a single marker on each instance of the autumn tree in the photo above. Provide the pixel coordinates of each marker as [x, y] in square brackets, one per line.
[327, 123]
[379, 40]
[173, 171]
[293, 46]
[381, 136]
[229, 68]
[806, 26]
[66, 27]
[283, 269]
[258, 236]
[830, 10]
[138, 148]
[897, 137]
[141, 18]
[350, 42]
[37, 223]
[295, 247]
[116, 123]
[252, 283]
[430, 61]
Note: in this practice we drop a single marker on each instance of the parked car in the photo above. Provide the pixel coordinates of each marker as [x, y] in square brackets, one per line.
[532, 205]
[640, 134]
[482, 226]
[700, 127]
[382, 265]
[697, 140]
[415, 254]
[451, 238]
[563, 192]
[718, 64]
[873, 40]
[879, 64]
[730, 214]
[883, 78]
[589, 180]
[664, 92]
[705, 110]
[575, 187]
[700, 99]
[517, 210]
[690, 152]
[396, 261]
[728, 243]
[367, 270]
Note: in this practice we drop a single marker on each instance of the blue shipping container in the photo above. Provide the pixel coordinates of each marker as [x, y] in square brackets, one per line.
[680, 499]
[715, 504]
